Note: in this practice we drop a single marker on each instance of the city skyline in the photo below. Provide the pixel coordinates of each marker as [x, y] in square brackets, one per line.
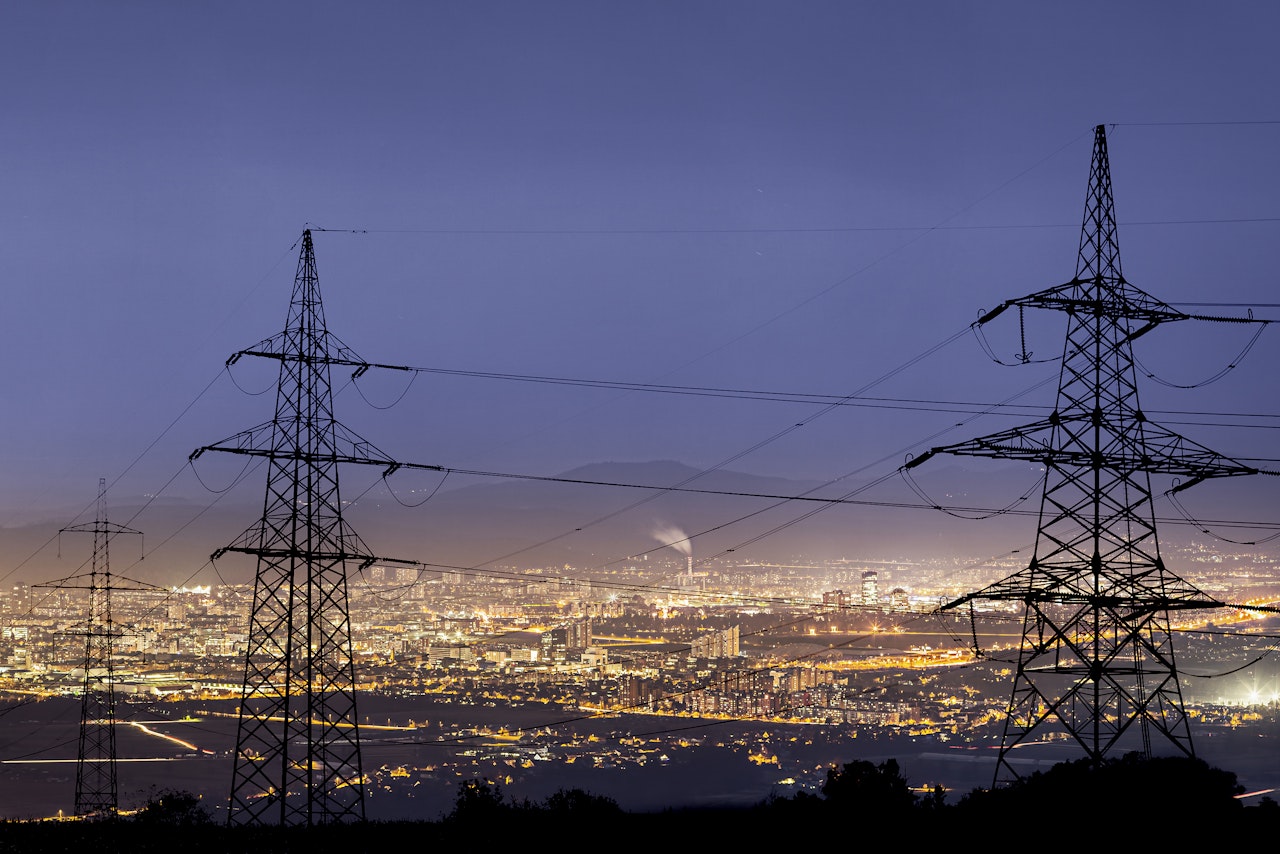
[615, 688]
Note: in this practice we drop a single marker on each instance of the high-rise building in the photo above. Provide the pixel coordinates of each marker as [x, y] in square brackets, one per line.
[574, 635]
[870, 593]
[725, 644]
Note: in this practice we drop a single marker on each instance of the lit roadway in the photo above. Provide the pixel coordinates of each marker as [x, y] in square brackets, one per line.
[608, 640]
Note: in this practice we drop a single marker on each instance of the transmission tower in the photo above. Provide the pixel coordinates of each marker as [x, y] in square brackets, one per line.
[297, 757]
[1096, 661]
[96, 785]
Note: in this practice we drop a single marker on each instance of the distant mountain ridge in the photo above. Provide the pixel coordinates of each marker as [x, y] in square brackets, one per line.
[557, 521]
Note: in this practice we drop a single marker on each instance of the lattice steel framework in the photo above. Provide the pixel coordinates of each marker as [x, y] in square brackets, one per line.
[97, 787]
[1097, 660]
[297, 758]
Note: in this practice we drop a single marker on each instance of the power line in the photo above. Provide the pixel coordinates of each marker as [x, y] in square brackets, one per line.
[805, 398]
[1190, 124]
[852, 229]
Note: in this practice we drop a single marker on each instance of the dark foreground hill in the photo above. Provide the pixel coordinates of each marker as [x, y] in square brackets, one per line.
[1163, 795]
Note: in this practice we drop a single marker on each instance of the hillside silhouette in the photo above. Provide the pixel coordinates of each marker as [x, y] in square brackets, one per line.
[1161, 792]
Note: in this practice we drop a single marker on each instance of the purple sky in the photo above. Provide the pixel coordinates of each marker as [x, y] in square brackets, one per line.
[796, 197]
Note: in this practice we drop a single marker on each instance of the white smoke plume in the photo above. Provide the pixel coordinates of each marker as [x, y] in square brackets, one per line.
[676, 538]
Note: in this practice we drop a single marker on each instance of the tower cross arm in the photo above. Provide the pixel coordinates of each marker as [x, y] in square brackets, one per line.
[86, 581]
[1161, 451]
[1118, 299]
[345, 446]
[362, 558]
[360, 365]
[1064, 586]
[333, 352]
[101, 527]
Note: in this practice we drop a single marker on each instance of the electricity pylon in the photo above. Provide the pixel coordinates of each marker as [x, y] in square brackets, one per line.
[97, 794]
[297, 757]
[1096, 661]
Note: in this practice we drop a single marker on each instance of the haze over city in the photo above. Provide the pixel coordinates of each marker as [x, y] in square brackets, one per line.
[734, 248]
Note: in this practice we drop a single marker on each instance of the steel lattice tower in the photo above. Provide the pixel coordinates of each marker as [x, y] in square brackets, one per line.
[297, 758]
[96, 782]
[1096, 661]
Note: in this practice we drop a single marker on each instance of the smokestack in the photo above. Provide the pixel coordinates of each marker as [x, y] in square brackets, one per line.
[690, 566]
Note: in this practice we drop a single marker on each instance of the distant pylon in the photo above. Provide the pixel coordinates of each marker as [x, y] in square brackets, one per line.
[97, 792]
[1096, 662]
[297, 758]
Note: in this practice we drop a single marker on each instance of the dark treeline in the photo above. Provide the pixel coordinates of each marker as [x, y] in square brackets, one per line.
[1171, 794]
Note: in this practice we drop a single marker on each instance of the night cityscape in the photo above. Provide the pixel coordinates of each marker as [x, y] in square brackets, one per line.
[541, 682]
[512, 417]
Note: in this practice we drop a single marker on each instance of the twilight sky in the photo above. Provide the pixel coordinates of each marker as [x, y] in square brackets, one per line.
[786, 197]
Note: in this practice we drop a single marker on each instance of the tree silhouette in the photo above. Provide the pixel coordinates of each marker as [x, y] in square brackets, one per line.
[866, 788]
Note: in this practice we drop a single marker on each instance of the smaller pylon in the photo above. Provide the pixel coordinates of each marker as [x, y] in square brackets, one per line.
[97, 794]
